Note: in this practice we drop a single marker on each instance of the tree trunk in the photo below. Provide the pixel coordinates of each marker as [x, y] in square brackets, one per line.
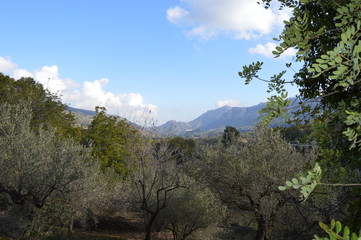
[70, 228]
[148, 228]
[264, 229]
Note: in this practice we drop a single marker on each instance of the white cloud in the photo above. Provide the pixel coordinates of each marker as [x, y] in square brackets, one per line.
[6, 65]
[176, 14]
[267, 49]
[87, 95]
[129, 105]
[19, 73]
[241, 18]
[48, 76]
[229, 102]
[291, 52]
[201, 32]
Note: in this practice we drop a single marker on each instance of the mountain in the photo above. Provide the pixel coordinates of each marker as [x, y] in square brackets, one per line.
[214, 121]
[82, 111]
[85, 117]
[82, 116]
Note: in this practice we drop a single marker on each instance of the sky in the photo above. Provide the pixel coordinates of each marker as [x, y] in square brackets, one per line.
[163, 59]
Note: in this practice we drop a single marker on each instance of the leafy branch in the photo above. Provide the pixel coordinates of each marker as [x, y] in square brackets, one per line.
[307, 185]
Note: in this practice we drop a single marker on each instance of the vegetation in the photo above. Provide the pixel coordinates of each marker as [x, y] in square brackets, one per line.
[245, 175]
[37, 167]
[189, 210]
[47, 109]
[108, 136]
[229, 136]
[326, 35]
[155, 177]
[57, 176]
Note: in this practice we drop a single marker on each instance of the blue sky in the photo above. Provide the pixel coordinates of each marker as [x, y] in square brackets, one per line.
[173, 58]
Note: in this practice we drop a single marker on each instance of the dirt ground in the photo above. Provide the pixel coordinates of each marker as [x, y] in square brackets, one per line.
[127, 226]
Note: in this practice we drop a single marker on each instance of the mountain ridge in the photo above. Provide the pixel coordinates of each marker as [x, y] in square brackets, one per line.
[210, 123]
[215, 120]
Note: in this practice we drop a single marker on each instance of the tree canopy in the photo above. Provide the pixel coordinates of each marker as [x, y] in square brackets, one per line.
[47, 109]
[37, 165]
[327, 38]
[109, 137]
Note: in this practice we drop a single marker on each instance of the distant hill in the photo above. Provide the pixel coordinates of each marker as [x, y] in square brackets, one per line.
[82, 111]
[214, 121]
[85, 117]
[82, 116]
[210, 123]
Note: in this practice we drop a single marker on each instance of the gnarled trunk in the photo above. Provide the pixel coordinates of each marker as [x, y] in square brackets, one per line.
[149, 226]
[264, 229]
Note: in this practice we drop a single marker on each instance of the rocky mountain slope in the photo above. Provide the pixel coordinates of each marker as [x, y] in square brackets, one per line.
[215, 120]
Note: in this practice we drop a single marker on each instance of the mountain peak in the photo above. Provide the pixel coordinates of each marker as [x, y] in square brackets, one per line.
[216, 119]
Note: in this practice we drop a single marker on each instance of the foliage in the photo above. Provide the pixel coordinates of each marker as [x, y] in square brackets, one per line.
[296, 134]
[185, 145]
[245, 175]
[155, 176]
[189, 210]
[229, 136]
[353, 119]
[327, 37]
[335, 232]
[306, 184]
[47, 109]
[108, 135]
[36, 166]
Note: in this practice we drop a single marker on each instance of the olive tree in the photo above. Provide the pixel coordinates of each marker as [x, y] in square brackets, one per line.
[246, 175]
[37, 166]
[154, 175]
[190, 210]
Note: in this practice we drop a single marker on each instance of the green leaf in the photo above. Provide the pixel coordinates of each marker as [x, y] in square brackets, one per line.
[275, 53]
[325, 227]
[317, 68]
[303, 180]
[343, 37]
[338, 227]
[279, 49]
[331, 63]
[346, 233]
[323, 66]
[333, 224]
[338, 59]
[325, 57]
[354, 236]
[282, 188]
[317, 75]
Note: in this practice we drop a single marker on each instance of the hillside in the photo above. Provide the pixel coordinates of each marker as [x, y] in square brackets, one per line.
[214, 121]
[209, 123]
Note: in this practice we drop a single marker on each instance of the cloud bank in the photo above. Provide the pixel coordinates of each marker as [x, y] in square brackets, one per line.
[6, 65]
[87, 95]
[241, 19]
